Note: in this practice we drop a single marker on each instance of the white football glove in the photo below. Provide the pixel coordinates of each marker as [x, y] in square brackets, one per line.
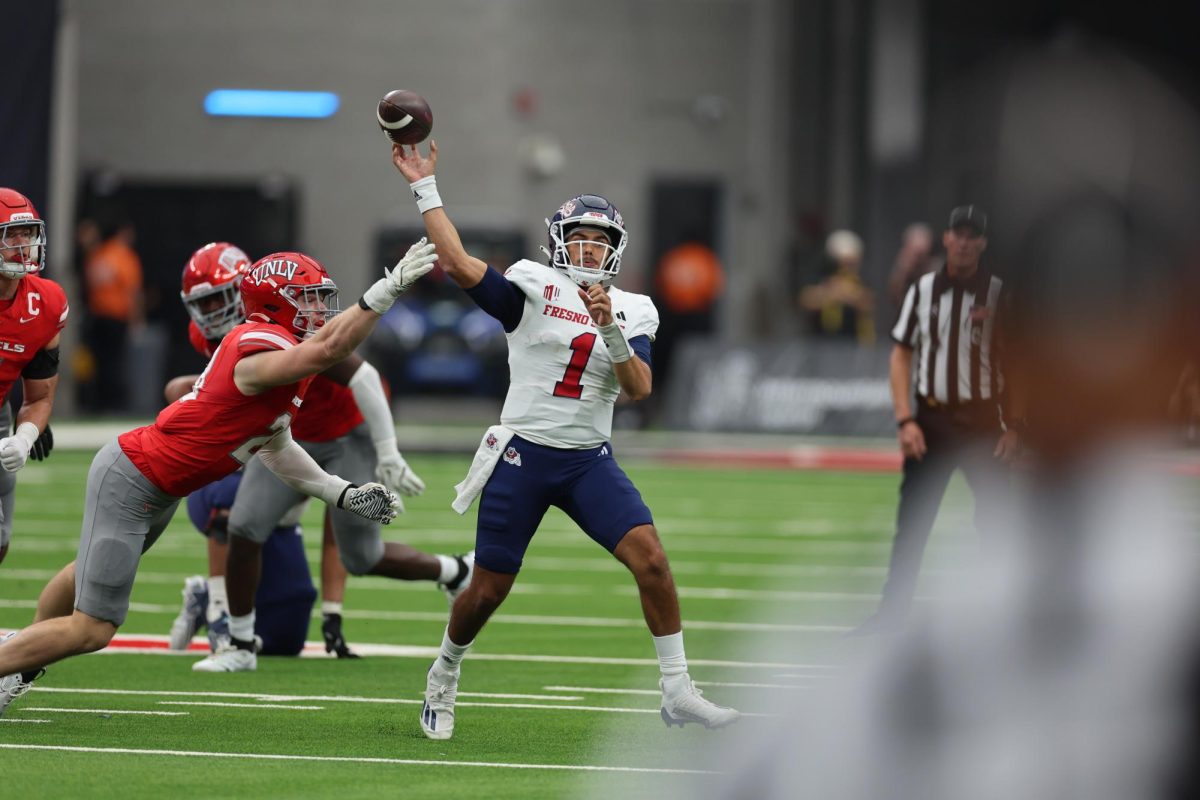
[419, 259]
[370, 501]
[14, 450]
[394, 472]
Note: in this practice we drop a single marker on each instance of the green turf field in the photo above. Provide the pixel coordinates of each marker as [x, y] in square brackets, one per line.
[563, 679]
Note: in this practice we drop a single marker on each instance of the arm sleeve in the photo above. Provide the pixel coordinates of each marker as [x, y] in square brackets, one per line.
[640, 345]
[372, 402]
[297, 469]
[500, 298]
[43, 365]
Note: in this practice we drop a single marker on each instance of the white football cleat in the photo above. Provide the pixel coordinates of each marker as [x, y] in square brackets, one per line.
[687, 704]
[192, 616]
[459, 585]
[13, 686]
[437, 715]
[228, 658]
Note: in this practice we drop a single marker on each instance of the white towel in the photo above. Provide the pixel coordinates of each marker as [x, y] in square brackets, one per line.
[491, 447]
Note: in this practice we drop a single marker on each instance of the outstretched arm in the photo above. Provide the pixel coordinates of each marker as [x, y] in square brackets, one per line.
[463, 268]
[336, 339]
[297, 469]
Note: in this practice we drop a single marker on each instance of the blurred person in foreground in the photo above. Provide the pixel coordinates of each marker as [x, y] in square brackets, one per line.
[575, 342]
[948, 336]
[840, 305]
[1067, 664]
[241, 406]
[33, 312]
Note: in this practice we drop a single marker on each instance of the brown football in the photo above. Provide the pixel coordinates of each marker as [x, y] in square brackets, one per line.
[404, 116]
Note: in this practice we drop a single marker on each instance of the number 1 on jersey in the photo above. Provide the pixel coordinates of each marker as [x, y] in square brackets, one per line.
[581, 351]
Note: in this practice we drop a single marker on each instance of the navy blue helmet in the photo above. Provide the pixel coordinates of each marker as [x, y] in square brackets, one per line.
[592, 211]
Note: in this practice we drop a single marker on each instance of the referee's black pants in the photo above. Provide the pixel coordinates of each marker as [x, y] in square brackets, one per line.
[963, 439]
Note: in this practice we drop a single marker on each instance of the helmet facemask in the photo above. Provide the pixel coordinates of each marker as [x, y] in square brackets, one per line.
[315, 305]
[588, 211]
[216, 310]
[27, 237]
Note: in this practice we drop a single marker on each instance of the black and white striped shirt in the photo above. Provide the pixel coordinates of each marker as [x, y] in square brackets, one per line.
[952, 328]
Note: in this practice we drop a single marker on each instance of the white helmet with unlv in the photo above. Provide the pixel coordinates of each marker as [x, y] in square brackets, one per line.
[22, 236]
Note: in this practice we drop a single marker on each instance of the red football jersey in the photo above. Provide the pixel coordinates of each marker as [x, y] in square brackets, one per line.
[329, 410]
[211, 431]
[37, 313]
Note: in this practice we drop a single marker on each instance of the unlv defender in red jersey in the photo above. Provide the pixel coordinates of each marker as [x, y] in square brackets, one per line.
[189, 445]
[32, 312]
[211, 293]
[346, 426]
[359, 445]
[244, 404]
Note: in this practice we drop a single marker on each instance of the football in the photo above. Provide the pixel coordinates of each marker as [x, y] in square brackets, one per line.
[404, 116]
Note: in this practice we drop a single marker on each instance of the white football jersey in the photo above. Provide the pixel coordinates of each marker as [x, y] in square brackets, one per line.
[562, 387]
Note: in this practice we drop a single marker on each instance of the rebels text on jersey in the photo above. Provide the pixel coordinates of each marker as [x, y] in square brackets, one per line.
[562, 387]
[214, 429]
[37, 312]
[329, 411]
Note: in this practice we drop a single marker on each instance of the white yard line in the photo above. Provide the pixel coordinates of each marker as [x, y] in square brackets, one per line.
[316, 650]
[722, 684]
[519, 619]
[625, 589]
[36, 721]
[559, 698]
[238, 705]
[354, 759]
[403, 701]
[103, 711]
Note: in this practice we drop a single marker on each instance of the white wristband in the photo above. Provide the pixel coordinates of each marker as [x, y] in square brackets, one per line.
[426, 193]
[27, 431]
[618, 348]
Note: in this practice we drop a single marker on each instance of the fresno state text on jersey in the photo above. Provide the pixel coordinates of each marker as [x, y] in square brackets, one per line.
[211, 431]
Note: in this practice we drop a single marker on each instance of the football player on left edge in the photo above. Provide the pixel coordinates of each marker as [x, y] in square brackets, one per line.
[241, 406]
[33, 310]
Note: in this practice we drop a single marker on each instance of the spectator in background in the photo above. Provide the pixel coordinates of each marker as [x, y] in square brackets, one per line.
[112, 274]
[840, 305]
[914, 259]
[688, 282]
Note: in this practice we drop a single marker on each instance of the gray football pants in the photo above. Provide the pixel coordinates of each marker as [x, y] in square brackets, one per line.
[263, 499]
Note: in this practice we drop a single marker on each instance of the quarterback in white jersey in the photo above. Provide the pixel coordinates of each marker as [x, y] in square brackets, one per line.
[575, 343]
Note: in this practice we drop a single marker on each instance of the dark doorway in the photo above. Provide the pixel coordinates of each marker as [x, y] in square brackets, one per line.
[171, 220]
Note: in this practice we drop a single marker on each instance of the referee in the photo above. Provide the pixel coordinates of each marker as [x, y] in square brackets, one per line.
[948, 338]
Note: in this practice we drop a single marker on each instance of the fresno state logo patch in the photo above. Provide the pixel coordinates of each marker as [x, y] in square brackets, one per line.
[490, 441]
[566, 209]
[512, 456]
